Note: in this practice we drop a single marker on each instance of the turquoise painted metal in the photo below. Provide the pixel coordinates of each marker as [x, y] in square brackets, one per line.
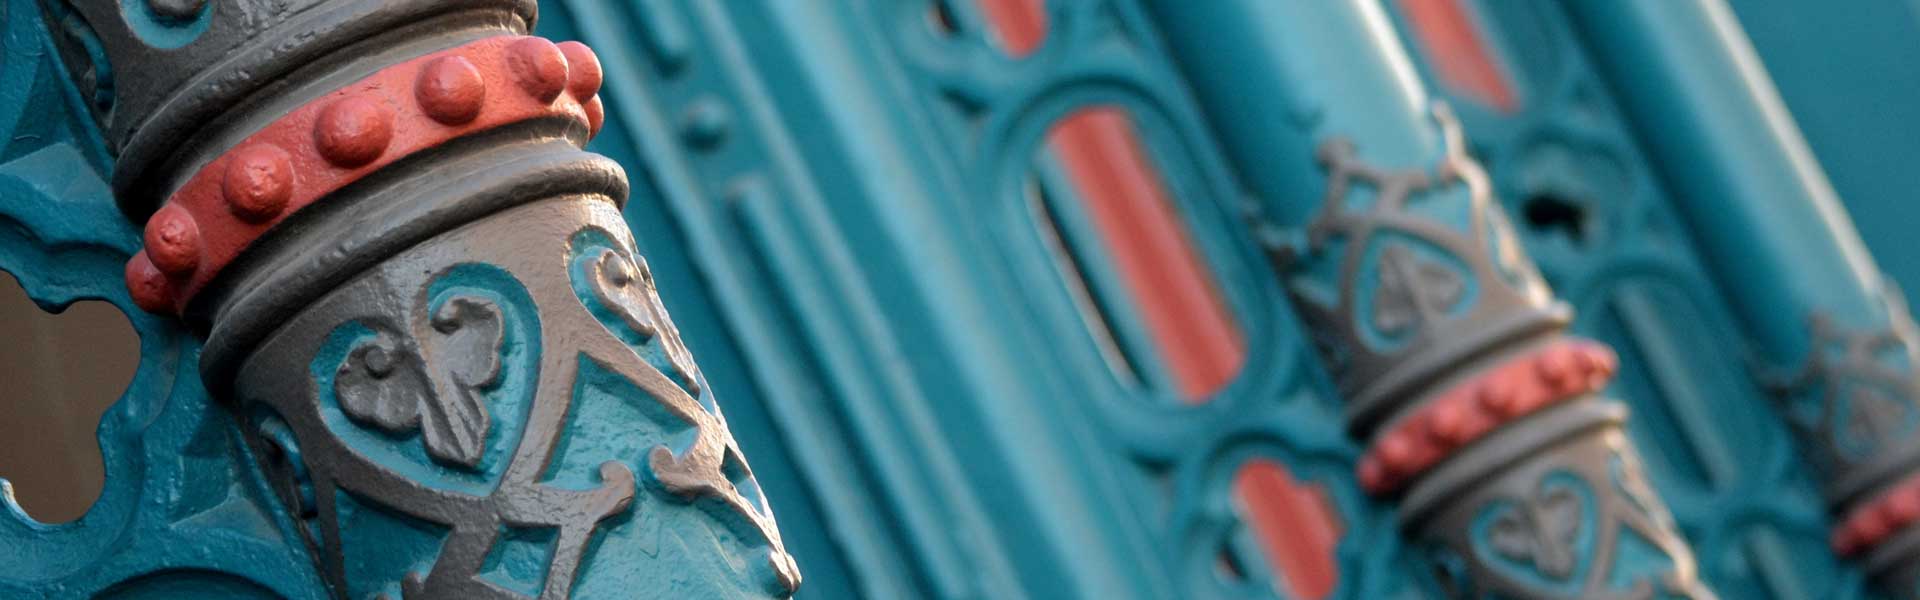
[183, 513]
[1731, 150]
[1813, 304]
[1598, 217]
[1838, 72]
[855, 198]
[862, 222]
[1283, 80]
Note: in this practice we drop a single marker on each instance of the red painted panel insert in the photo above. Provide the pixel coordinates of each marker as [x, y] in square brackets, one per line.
[1459, 55]
[1203, 347]
[1124, 198]
[1020, 24]
[1293, 522]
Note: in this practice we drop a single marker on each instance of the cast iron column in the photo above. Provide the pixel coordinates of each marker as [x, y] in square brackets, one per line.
[420, 296]
[1832, 332]
[1513, 474]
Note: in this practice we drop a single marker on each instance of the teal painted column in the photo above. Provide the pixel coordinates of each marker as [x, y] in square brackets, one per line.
[1818, 311]
[1602, 226]
[1512, 474]
[434, 356]
[1742, 172]
[1848, 78]
[855, 184]
[182, 513]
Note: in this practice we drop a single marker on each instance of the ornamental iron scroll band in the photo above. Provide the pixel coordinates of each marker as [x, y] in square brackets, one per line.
[489, 319]
[1436, 294]
[484, 318]
[1517, 477]
[1854, 404]
[1571, 517]
[1855, 400]
[349, 134]
[419, 296]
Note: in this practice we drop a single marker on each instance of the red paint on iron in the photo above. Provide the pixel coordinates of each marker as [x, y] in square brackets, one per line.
[1020, 24]
[1555, 369]
[1176, 296]
[353, 131]
[1371, 473]
[1498, 402]
[1904, 507]
[1452, 423]
[1870, 523]
[539, 67]
[1397, 453]
[1457, 52]
[1129, 205]
[173, 241]
[339, 138]
[583, 70]
[1842, 541]
[1870, 527]
[1561, 371]
[1293, 522]
[258, 182]
[596, 114]
[147, 285]
[450, 90]
[1159, 264]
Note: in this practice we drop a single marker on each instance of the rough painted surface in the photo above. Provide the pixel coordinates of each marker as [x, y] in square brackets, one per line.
[854, 191]
[1822, 321]
[1591, 208]
[183, 513]
[841, 206]
[346, 135]
[1570, 518]
[401, 485]
[1464, 414]
[1523, 483]
[505, 411]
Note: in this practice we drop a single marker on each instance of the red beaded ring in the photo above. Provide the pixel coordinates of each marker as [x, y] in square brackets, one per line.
[346, 134]
[1563, 370]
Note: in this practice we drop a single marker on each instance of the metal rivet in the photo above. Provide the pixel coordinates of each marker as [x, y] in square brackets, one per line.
[258, 182]
[173, 240]
[451, 90]
[148, 286]
[538, 67]
[596, 115]
[353, 131]
[583, 70]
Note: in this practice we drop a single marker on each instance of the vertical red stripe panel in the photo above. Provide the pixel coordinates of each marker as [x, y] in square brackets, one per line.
[1458, 54]
[1125, 198]
[1293, 523]
[1020, 24]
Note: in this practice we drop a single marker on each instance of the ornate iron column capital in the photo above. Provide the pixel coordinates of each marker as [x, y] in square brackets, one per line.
[1516, 475]
[1809, 292]
[1854, 404]
[421, 298]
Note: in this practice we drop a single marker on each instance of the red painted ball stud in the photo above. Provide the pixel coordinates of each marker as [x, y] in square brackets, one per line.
[583, 70]
[353, 131]
[538, 67]
[173, 240]
[596, 115]
[451, 90]
[149, 287]
[258, 182]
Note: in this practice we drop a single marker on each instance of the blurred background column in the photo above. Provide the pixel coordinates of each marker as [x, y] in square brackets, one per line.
[1513, 474]
[1829, 331]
